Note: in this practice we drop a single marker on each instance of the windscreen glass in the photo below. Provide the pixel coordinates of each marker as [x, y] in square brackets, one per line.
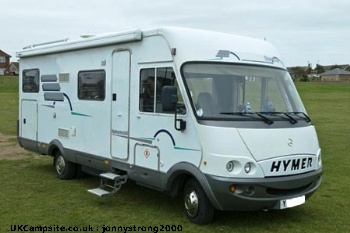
[231, 91]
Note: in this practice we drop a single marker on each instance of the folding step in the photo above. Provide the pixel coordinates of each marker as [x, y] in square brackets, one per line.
[109, 175]
[99, 192]
[110, 184]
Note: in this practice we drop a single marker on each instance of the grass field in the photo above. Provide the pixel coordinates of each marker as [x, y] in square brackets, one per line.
[31, 194]
[8, 104]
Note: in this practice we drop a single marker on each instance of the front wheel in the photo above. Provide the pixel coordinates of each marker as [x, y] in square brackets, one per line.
[64, 169]
[198, 208]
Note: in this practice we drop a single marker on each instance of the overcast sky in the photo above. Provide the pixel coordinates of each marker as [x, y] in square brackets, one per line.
[314, 31]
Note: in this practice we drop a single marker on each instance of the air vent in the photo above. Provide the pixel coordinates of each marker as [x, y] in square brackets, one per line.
[63, 133]
[64, 77]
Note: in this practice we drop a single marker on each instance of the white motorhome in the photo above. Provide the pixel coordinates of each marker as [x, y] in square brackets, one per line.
[211, 116]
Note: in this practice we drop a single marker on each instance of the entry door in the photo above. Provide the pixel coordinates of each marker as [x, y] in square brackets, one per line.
[120, 105]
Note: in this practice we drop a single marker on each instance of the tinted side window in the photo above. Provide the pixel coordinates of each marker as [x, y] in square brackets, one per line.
[147, 80]
[152, 81]
[165, 77]
[92, 85]
[30, 81]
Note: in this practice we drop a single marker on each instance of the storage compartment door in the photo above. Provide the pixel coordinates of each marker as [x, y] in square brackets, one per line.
[29, 119]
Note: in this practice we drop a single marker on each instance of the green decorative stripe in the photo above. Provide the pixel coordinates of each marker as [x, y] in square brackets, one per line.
[183, 148]
[80, 114]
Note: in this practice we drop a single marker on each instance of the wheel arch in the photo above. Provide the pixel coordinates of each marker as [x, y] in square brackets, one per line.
[55, 145]
[178, 175]
[63, 162]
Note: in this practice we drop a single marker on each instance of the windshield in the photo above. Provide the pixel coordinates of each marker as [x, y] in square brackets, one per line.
[229, 90]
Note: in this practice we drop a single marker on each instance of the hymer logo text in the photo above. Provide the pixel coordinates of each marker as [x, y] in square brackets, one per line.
[291, 164]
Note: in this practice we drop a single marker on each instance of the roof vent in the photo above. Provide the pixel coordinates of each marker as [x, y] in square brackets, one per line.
[86, 36]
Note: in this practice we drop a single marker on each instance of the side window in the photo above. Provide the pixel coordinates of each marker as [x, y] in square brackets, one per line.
[151, 83]
[165, 77]
[30, 81]
[92, 85]
[147, 80]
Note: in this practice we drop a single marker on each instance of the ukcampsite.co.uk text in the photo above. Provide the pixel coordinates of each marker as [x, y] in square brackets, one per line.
[103, 228]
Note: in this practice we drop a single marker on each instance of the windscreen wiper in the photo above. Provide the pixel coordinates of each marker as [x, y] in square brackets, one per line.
[292, 120]
[249, 114]
[266, 120]
[234, 113]
[305, 117]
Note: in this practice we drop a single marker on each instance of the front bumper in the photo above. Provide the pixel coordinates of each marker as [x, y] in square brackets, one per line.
[262, 193]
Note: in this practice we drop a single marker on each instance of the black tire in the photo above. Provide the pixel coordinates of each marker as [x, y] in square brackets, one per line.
[198, 208]
[65, 170]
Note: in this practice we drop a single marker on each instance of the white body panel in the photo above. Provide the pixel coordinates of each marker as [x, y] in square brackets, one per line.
[273, 143]
[102, 128]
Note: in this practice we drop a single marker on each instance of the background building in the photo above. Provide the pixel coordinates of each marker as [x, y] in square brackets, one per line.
[336, 75]
[4, 62]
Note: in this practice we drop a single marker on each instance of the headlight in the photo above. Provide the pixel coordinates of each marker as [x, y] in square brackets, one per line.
[247, 167]
[319, 159]
[229, 166]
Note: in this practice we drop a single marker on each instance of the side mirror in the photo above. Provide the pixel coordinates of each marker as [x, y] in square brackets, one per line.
[169, 98]
[169, 104]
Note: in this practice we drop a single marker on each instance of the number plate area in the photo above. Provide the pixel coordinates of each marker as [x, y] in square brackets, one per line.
[289, 203]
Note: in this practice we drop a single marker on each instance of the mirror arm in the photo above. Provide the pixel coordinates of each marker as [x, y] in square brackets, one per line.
[181, 122]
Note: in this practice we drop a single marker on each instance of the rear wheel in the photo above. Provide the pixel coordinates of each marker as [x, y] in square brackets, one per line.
[198, 208]
[64, 169]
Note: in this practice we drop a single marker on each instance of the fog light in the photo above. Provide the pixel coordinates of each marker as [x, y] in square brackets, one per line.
[249, 191]
[230, 166]
[232, 188]
[247, 167]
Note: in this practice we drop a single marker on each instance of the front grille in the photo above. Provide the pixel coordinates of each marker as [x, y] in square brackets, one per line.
[280, 192]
